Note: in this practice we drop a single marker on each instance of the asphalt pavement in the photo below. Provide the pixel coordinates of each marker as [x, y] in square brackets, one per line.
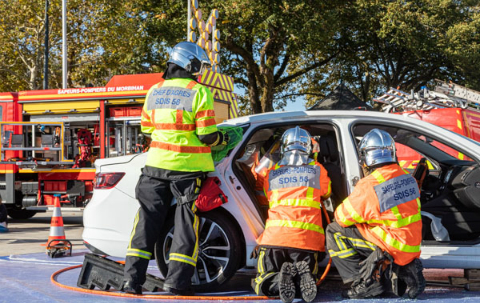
[26, 270]
[26, 236]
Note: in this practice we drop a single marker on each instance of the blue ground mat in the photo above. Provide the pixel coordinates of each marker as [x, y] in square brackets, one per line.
[26, 278]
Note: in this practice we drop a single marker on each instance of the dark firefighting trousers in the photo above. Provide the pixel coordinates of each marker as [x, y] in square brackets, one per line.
[155, 197]
[347, 248]
[270, 262]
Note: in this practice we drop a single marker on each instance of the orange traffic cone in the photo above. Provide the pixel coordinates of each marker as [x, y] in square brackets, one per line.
[57, 231]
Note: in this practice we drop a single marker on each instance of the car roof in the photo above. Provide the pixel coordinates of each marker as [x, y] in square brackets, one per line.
[276, 117]
[292, 115]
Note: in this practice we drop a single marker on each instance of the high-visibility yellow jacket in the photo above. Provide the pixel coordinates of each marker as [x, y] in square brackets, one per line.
[295, 216]
[175, 112]
[385, 207]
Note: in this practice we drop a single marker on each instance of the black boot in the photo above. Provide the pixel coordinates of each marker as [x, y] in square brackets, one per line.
[397, 285]
[307, 284]
[178, 292]
[287, 286]
[132, 287]
[364, 289]
[412, 275]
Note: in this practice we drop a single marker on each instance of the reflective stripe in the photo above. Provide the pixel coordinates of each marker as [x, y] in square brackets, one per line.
[315, 269]
[309, 196]
[182, 258]
[191, 84]
[345, 252]
[394, 243]
[179, 117]
[181, 148]
[145, 114]
[295, 202]
[261, 270]
[338, 239]
[342, 254]
[400, 223]
[260, 279]
[329, 190]
[396, 213]
[205, 114]
[135, 222]
[377, 175]
[146, 123]
[206, 123]
[342, 218]
[174, 126]
[196, 224]
[139, 253]
[353, 213]
[294, 224]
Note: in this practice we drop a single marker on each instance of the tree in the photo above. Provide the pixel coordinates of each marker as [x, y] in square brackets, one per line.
[406, 44]
[21, 38]
[104, 38]
[268, 47]
[276, 51]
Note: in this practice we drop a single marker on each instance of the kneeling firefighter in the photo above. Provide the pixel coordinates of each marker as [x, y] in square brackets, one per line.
[293, 241]
[178, 113]
[375, 241]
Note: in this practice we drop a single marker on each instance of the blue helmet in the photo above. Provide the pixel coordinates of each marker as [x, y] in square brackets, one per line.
[190, 57]
[377, 147]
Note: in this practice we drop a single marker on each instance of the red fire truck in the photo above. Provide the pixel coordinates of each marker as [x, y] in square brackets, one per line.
[449, 105]
[50, 138]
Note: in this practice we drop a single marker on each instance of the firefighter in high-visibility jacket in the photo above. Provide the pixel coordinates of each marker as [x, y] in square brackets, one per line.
[375, 239]
[293, 240]
[178, 113]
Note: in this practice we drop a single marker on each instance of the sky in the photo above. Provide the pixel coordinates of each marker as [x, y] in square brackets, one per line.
[299, 104]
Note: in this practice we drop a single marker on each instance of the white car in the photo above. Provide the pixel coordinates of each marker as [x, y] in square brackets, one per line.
[450, 192]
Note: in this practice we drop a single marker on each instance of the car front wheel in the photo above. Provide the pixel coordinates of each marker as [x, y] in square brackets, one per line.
[219, 250]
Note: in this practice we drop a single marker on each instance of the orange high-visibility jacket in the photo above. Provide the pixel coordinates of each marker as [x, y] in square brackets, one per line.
[259, 181]
[295, 216]
[385, 207]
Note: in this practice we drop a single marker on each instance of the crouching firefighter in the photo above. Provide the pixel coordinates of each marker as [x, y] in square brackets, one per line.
[293, 241]
[178, 113]
[375, 241]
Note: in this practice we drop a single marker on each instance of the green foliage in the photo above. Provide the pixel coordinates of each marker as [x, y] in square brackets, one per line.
[104, 38]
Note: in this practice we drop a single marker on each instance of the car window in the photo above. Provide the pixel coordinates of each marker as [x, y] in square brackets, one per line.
[412, 146]
[408, 158]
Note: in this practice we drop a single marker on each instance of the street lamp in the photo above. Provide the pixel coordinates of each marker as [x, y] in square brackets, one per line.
[45, 73]
[64, 45]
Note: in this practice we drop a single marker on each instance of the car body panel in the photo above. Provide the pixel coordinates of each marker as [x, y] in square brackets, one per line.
[111, 234]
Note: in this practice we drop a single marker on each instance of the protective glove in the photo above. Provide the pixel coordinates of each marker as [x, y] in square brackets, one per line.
[255, 252]
[370, 264]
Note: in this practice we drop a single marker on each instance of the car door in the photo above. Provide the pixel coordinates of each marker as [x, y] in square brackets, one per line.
[448, 152]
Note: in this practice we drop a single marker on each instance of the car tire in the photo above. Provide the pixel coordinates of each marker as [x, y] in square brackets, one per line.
[20, 214]
[215, 265]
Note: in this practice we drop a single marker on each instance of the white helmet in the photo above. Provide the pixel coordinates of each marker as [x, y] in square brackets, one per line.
[296, 139]
[377, 147]
[190, 57]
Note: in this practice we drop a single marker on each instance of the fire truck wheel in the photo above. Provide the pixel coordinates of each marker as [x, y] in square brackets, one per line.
[220, 249]
[20, 214]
